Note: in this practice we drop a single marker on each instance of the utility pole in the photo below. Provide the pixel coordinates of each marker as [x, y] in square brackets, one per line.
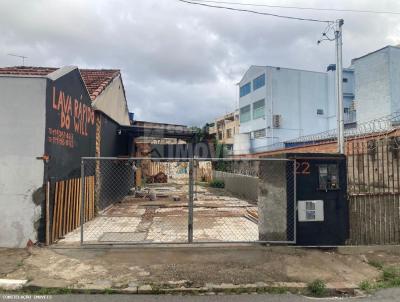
[339, 85]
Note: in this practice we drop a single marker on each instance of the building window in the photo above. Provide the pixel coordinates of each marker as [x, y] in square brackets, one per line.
[245, 89]
[259, 82]
[320, 111]
[345, 80]
[245, 114]
[220, 136]
[259, 133]
[328, 177]
[259, 109]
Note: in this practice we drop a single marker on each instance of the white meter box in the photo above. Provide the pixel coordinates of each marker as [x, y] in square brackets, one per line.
[310, 210]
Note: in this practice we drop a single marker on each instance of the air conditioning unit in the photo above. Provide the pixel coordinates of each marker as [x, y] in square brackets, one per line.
[276, 120]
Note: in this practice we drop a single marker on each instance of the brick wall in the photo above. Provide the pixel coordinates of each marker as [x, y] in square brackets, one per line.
[325, 147]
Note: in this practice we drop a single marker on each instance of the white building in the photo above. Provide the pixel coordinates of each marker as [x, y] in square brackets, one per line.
[278, 104]
[377, 89]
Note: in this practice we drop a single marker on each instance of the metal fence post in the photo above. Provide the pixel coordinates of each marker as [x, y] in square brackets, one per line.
[190, 211]
[82, 197]
[295, 202]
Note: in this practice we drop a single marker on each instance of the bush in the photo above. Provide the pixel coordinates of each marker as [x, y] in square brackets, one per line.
[217, 183]
[317, 288]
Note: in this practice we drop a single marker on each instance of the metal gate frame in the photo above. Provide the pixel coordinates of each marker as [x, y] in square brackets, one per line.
[191, 205]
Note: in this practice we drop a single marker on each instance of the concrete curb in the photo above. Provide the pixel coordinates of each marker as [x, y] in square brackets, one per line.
[11, 284]
[182, 287]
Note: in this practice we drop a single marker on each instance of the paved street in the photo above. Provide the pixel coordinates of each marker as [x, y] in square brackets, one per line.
[388, 295]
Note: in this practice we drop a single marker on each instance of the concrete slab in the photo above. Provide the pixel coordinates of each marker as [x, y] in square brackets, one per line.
[218, 217]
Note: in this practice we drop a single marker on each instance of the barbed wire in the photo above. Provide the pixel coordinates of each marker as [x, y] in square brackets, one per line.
[382, 126]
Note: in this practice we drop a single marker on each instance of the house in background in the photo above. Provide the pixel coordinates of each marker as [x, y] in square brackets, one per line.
[50, 118]
[225, 128]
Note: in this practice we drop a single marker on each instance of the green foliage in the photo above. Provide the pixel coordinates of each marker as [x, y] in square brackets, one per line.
[317, 288]
[52, 291]
[377, 264]
[217, 183]
[367, 286]
[391, 277]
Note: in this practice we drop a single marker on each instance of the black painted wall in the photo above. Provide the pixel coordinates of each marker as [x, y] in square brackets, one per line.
[334, 230]
[70, 126]
[116, 176]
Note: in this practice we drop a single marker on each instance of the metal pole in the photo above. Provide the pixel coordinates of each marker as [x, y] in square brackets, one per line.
[82, 197]
[190, 212]
[295, 202]
[339, 86]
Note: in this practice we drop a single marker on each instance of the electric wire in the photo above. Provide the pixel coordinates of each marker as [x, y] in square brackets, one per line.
[256, 12]
[300, 8]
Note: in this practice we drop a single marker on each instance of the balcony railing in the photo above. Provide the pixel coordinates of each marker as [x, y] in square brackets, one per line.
[350, 117]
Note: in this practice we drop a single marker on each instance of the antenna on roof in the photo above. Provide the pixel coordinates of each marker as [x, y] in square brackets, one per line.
[19, 56]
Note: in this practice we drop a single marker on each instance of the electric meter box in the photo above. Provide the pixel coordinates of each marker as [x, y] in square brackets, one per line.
[310, 210]
[321, 194]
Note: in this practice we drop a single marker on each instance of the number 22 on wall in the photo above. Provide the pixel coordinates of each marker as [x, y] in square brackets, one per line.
[303, 168]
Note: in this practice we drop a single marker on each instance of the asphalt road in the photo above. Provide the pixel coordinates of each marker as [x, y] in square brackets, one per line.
[388, 295]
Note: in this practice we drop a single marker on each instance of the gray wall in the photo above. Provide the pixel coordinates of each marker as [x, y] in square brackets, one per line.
[22, 130]
[372, 85]
[272, 201]
[240, 185]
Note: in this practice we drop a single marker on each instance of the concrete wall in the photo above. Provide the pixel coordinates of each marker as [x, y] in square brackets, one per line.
[372, 85]
[240, 185]
[112, 101]
[394, 69]
[272, 201]
[22, 134]
[296, 96]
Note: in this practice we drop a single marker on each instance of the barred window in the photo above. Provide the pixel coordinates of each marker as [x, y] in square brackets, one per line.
[259, 133]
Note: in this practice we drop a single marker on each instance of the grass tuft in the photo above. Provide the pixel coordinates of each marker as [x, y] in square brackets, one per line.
[317, 288]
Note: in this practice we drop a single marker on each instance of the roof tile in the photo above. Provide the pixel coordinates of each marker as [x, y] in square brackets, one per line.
[96, 80]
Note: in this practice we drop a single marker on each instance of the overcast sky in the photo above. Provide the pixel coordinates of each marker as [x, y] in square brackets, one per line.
[180, 62]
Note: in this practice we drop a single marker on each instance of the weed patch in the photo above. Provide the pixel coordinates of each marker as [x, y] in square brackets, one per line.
[317, 288]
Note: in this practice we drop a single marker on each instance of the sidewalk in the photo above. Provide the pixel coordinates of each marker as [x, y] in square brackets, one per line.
[146, 269]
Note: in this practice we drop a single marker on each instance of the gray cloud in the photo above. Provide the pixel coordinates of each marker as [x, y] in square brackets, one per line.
[179, 62]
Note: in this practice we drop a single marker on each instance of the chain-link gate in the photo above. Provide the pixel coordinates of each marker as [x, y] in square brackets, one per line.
[167, 200]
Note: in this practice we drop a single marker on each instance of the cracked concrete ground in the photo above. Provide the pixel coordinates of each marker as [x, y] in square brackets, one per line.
[122, 268]
[218, 216]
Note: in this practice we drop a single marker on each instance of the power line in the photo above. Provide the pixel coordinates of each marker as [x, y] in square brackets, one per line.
[255, 12]
[301, 8]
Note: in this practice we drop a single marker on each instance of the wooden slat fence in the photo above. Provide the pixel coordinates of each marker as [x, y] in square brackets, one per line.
[66, 199]
[374, 190]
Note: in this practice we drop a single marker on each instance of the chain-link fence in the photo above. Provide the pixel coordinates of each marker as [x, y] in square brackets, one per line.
[143, 200]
